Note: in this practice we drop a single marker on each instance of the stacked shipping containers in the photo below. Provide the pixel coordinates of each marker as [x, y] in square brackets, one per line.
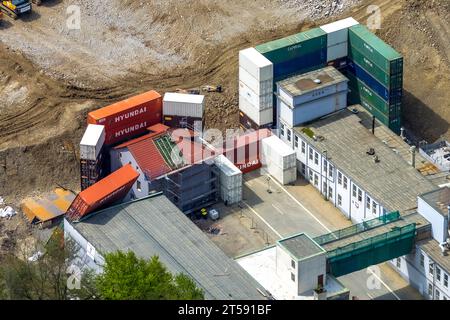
[183, 110]
[255, 90]
[230, 180]
[92, 156]
[375, 72]
[280, 160]
[128, 118]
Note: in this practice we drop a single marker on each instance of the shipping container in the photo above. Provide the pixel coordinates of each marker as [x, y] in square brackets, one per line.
[92, 142]
[184, 122]
[91, 172]
[375, 49]
[301, 64]
[276, 153]
[248, 124]
[393, 122]
[260, 102]
[230, 176]
[339, 64]
[260, 117]
[183, 105]
[391, 81]
[295, 46]
[282, 176]
[120, 134]
[230, 197]
[105, 192]
[374, 84]
[337, 51]
[260, 88]
[144, 107]
[337, 32]
[258, 66]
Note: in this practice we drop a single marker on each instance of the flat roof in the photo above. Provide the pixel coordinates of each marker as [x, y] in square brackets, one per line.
[391, 181]
[92, 135]
[301, 246]
[307, 82]
[438, 199]
[154, 226]
[432, 249]
[183, 98]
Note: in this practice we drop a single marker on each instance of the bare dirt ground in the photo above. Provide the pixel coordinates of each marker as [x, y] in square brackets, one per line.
[50, 76]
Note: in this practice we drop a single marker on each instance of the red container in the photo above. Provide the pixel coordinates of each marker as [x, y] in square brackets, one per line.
[119, 134]
[135, 111]
[107, 191]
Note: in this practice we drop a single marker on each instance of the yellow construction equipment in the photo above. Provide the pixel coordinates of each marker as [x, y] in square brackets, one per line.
[212, 88]
[15, 8]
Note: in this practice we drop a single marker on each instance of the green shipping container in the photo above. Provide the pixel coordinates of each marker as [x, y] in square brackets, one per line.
[375, 49]
[393, 123]
[297, 45]
[390, 81]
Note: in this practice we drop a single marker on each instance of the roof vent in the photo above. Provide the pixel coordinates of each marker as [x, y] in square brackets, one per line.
[317, 81]
[376, 159]
[371, 152]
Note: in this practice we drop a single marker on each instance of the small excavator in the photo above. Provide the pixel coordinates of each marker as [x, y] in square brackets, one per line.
[15, 8]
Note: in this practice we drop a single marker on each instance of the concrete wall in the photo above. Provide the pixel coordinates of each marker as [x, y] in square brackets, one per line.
[438, 222]
[309, 270]
[284, 269]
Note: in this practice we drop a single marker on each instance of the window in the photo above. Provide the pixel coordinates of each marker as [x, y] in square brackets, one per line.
[399, 263]
[374, 208]
[339, 200]
[445, 280]
[422, 260]
[438, 273]
[120, 155]
[310, 175]
[303, 168]
[368, 201]
[438, 295]
[282, 129]
[325, 166]
[325, 187]
[430, 289]
[330, 192]
[430, 269]
[311, 154]
[354, 191]
[296, 142]
[339, 178]
[345, 183]
[303, 147]
[289, 135]
[293, 264]
[138, 186]
[359, 195]
[330, 172]
[316, 180]
[316, 158]
[292, 277]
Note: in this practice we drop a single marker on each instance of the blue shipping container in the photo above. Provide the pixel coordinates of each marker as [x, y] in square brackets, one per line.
[300, 64]
[370, 81]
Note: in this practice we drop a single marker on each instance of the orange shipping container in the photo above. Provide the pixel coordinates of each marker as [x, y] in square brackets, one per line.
[107, 191]
[144, 107]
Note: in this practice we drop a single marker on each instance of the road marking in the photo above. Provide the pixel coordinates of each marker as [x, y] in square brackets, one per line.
[384, 284]
[262, 219]
[276, 208]
[301, 205]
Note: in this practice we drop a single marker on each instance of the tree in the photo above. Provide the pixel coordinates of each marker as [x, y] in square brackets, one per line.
[127, 277]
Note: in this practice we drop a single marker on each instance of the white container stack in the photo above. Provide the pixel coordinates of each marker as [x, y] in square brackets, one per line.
[92, 142]
[256, 86]
[279, 159]
[337, 38]
[230, 180]
[183, 105]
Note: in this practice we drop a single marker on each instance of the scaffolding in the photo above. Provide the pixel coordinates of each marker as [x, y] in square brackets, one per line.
[357, 228]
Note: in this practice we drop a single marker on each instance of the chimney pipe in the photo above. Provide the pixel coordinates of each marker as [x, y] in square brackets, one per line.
[373, 125]
[413, 156]
[402, 133]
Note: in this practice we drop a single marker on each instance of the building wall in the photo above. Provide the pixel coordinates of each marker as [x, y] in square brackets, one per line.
[415, 268]
[314, 165]
[309, 270]
[285, 270]
[438, 222]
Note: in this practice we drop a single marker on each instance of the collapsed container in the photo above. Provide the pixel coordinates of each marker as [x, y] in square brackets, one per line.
[107, 191]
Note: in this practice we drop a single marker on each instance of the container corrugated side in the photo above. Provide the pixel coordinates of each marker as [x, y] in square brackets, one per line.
[283, 176]
[375, 49]
[391, 81]
[260, 117]
[230, 175]
[276, 152]
[337, 32]
[231, 196]
[259, 87]
[183, 108]
[256, 64]
[92, 142]
[301, 64]
[118, 135]
[337, 51]
[294, 46]
[258, 101]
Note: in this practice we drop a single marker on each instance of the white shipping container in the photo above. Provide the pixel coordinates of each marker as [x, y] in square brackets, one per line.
[260, 117]
[92, 142]
[337, 32]
[337, 51]
[283, 176]
[260, 102]
[183, 105]
[277, 153]
[230, 176]
[259, 87]
[232, 196]
[256, 64]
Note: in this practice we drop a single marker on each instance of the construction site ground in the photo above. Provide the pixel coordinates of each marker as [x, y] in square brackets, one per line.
[51, 77]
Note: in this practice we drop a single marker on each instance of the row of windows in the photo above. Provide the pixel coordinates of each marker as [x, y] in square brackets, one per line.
[342, 180]
[441, 276]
